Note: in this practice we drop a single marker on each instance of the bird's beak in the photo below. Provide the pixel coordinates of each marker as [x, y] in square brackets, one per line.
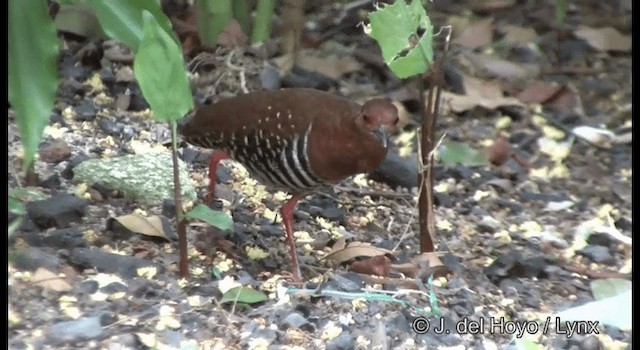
[381, 134]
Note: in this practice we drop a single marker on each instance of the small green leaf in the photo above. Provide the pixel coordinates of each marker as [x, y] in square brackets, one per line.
[16, 206]
[122, 19]
[405, 36]
[216, 273]
[218, 219]
[451, 152]
[33, 78]
[26, 194]
[244, 295]
[160, 70]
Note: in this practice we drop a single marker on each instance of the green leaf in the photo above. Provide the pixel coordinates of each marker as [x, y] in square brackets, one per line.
[451, 152]
[122, 19]
[160, 70]
[33, 79]
[26, 194]
[602, 289]
[218, 219]
[244, 295]
[405, 36]
[16, 206]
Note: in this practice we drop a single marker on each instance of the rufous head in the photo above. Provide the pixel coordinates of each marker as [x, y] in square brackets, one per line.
[378, 116]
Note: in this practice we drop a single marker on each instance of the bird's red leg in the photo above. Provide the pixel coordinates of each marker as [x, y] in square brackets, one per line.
[216, 157]
[287, 216]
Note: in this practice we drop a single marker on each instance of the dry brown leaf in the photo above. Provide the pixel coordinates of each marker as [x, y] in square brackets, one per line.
[479, 93]
[484, 6]
[423, 265]
[539, 92]
[518, 35]
[332, 66]
[479, 33]
[149, 226]
[501, 68]
[604, 39]
[378, 265]
[49, 280]
[353, 250]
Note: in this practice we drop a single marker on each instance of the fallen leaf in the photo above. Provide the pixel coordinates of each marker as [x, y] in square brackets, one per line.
[49, 280]
[423, 266]
[478, 93]
[488, 6]
[377, 265]
[604, 39]
[518, 35]
[539, 92]
[501, 68]
[479, 33]
[149, 226]
[332, 66]
[353, 250]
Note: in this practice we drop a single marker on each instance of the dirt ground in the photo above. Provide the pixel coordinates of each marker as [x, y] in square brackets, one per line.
[523, 240]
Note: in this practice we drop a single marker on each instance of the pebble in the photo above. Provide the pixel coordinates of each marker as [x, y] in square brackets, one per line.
[76, 330]
[58, 211]
[55, 152]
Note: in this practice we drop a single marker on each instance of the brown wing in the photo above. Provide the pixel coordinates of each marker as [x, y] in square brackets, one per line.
[283, 112]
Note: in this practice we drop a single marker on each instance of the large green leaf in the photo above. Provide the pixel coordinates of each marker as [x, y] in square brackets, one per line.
[122, 19]
[33, 50]
[452, 152]
[218, 219]
[160, 70]
[405, 36]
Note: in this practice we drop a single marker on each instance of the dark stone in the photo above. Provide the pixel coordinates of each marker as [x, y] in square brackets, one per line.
[270, 77]
[109, 127]
[59, 211]
[88, 287]
[397, 171]
[532, 196]
[138, 103]
[124, 266]
[102, 189]
[301, 78]
[54, 152]
[348, 282]
[86, 111]
[76, 330]
[513, 265]
[168, 208]
[190, 156]
[297, 321]
[598, 254]
[514, 207]
[30, 258]
[602, 239]
[67, 173]
[443, 200]
[344, 341]
[52, 182]
[65, 238]
[114, 287]
[56, 117]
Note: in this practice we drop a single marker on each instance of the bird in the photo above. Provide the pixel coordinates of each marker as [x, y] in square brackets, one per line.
[295, 140]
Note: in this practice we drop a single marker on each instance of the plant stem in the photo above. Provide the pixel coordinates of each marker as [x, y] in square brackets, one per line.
[262, 24]
[181, 223]
[213, 17]
[241, 14]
